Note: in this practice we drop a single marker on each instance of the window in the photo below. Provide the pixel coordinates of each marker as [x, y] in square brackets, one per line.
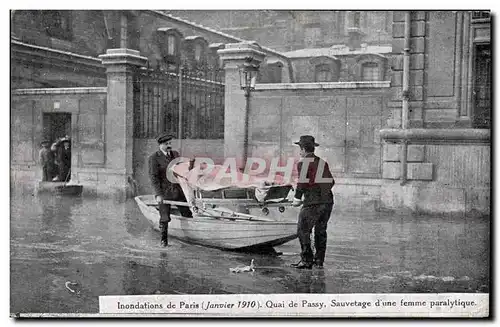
[356, 22]
[323, 73]
[482, 86]
[171, 45]
[198, 52]
[326, 69]
[370, 72]
[370, 67]
[57, 24]
[270, 73]
[312, 36]
[169, 42]
[276, 70]
[480, 15]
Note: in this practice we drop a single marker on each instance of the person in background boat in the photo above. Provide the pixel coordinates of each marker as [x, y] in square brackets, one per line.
[46, 160]
[163, 188]
[54, 148]
[315, 195]
[64, 158]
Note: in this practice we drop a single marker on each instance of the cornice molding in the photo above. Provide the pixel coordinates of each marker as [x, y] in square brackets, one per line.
[434, 135]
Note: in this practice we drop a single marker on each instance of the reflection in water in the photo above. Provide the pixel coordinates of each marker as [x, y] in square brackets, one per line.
[312, 281]
[150, 278]
[163, 277]
[110, 249]
[56, 212]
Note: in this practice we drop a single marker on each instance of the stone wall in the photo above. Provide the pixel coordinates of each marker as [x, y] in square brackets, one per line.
[286, 30]
[150, 21]
[448, 171]
[448, 166]
[94, 31]
[37, 67]
[349, 67]
[441, 67]
[87, 107]
[39, 60]
[345, 119]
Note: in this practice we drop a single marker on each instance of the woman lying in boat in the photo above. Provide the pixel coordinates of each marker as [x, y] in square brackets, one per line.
[245, 214]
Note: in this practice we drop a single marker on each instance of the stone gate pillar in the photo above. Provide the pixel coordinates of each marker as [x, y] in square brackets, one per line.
[232, 57]
[119, 136]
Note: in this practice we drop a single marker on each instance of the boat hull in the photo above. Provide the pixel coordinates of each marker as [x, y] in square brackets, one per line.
[222, 233]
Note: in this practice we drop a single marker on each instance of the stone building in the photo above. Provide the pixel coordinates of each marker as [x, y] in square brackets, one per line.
[416, 135]
[438, 136]
[289, 30]
[61, 86]
[322, 46]
[401, 116]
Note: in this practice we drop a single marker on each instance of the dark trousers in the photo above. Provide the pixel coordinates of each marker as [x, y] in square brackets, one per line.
[47, 173]
[165, 217]
[64, 173]
[314, 216]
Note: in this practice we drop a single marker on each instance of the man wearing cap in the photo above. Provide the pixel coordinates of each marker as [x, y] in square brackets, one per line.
[64, 158]
[164, 188]
[46, 159]
[314, 193]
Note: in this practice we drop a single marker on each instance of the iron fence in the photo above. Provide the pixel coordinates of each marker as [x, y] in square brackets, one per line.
[196, 94]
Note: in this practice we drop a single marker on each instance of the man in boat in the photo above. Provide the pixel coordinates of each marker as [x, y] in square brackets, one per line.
[164, 188]
[314, 193]
[64, 158]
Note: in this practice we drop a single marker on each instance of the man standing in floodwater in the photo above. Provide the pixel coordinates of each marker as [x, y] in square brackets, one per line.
[314, 193]
[164, 188]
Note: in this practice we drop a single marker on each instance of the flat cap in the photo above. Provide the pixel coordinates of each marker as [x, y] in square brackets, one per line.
[164, 138]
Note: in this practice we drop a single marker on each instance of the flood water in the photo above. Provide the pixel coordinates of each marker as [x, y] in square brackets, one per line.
[109, 248]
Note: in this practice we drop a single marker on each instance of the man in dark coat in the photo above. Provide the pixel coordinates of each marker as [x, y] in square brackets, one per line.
[314, 193]
[46, 159]
[65, 159]
[164, 188]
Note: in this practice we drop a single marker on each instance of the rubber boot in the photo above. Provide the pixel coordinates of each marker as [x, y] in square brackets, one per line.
[164, 234]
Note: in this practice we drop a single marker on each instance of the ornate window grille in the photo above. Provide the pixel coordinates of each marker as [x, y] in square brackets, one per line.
[370, 71]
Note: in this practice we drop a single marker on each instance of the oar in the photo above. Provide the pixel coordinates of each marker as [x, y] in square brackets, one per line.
[240, 215]
[246, 202]
[175, 203]
[209, 215]
[66, 179]
[61, 188]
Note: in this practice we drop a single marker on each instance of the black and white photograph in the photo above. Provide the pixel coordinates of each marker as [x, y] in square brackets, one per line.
[250, 163]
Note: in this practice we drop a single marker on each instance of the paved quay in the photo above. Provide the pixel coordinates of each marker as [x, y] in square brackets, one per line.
[109, 248]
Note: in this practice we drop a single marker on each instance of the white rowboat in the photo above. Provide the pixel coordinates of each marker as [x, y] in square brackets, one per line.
[221, 228]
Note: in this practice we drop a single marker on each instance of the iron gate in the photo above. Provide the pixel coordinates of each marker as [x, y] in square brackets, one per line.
[196, 94]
